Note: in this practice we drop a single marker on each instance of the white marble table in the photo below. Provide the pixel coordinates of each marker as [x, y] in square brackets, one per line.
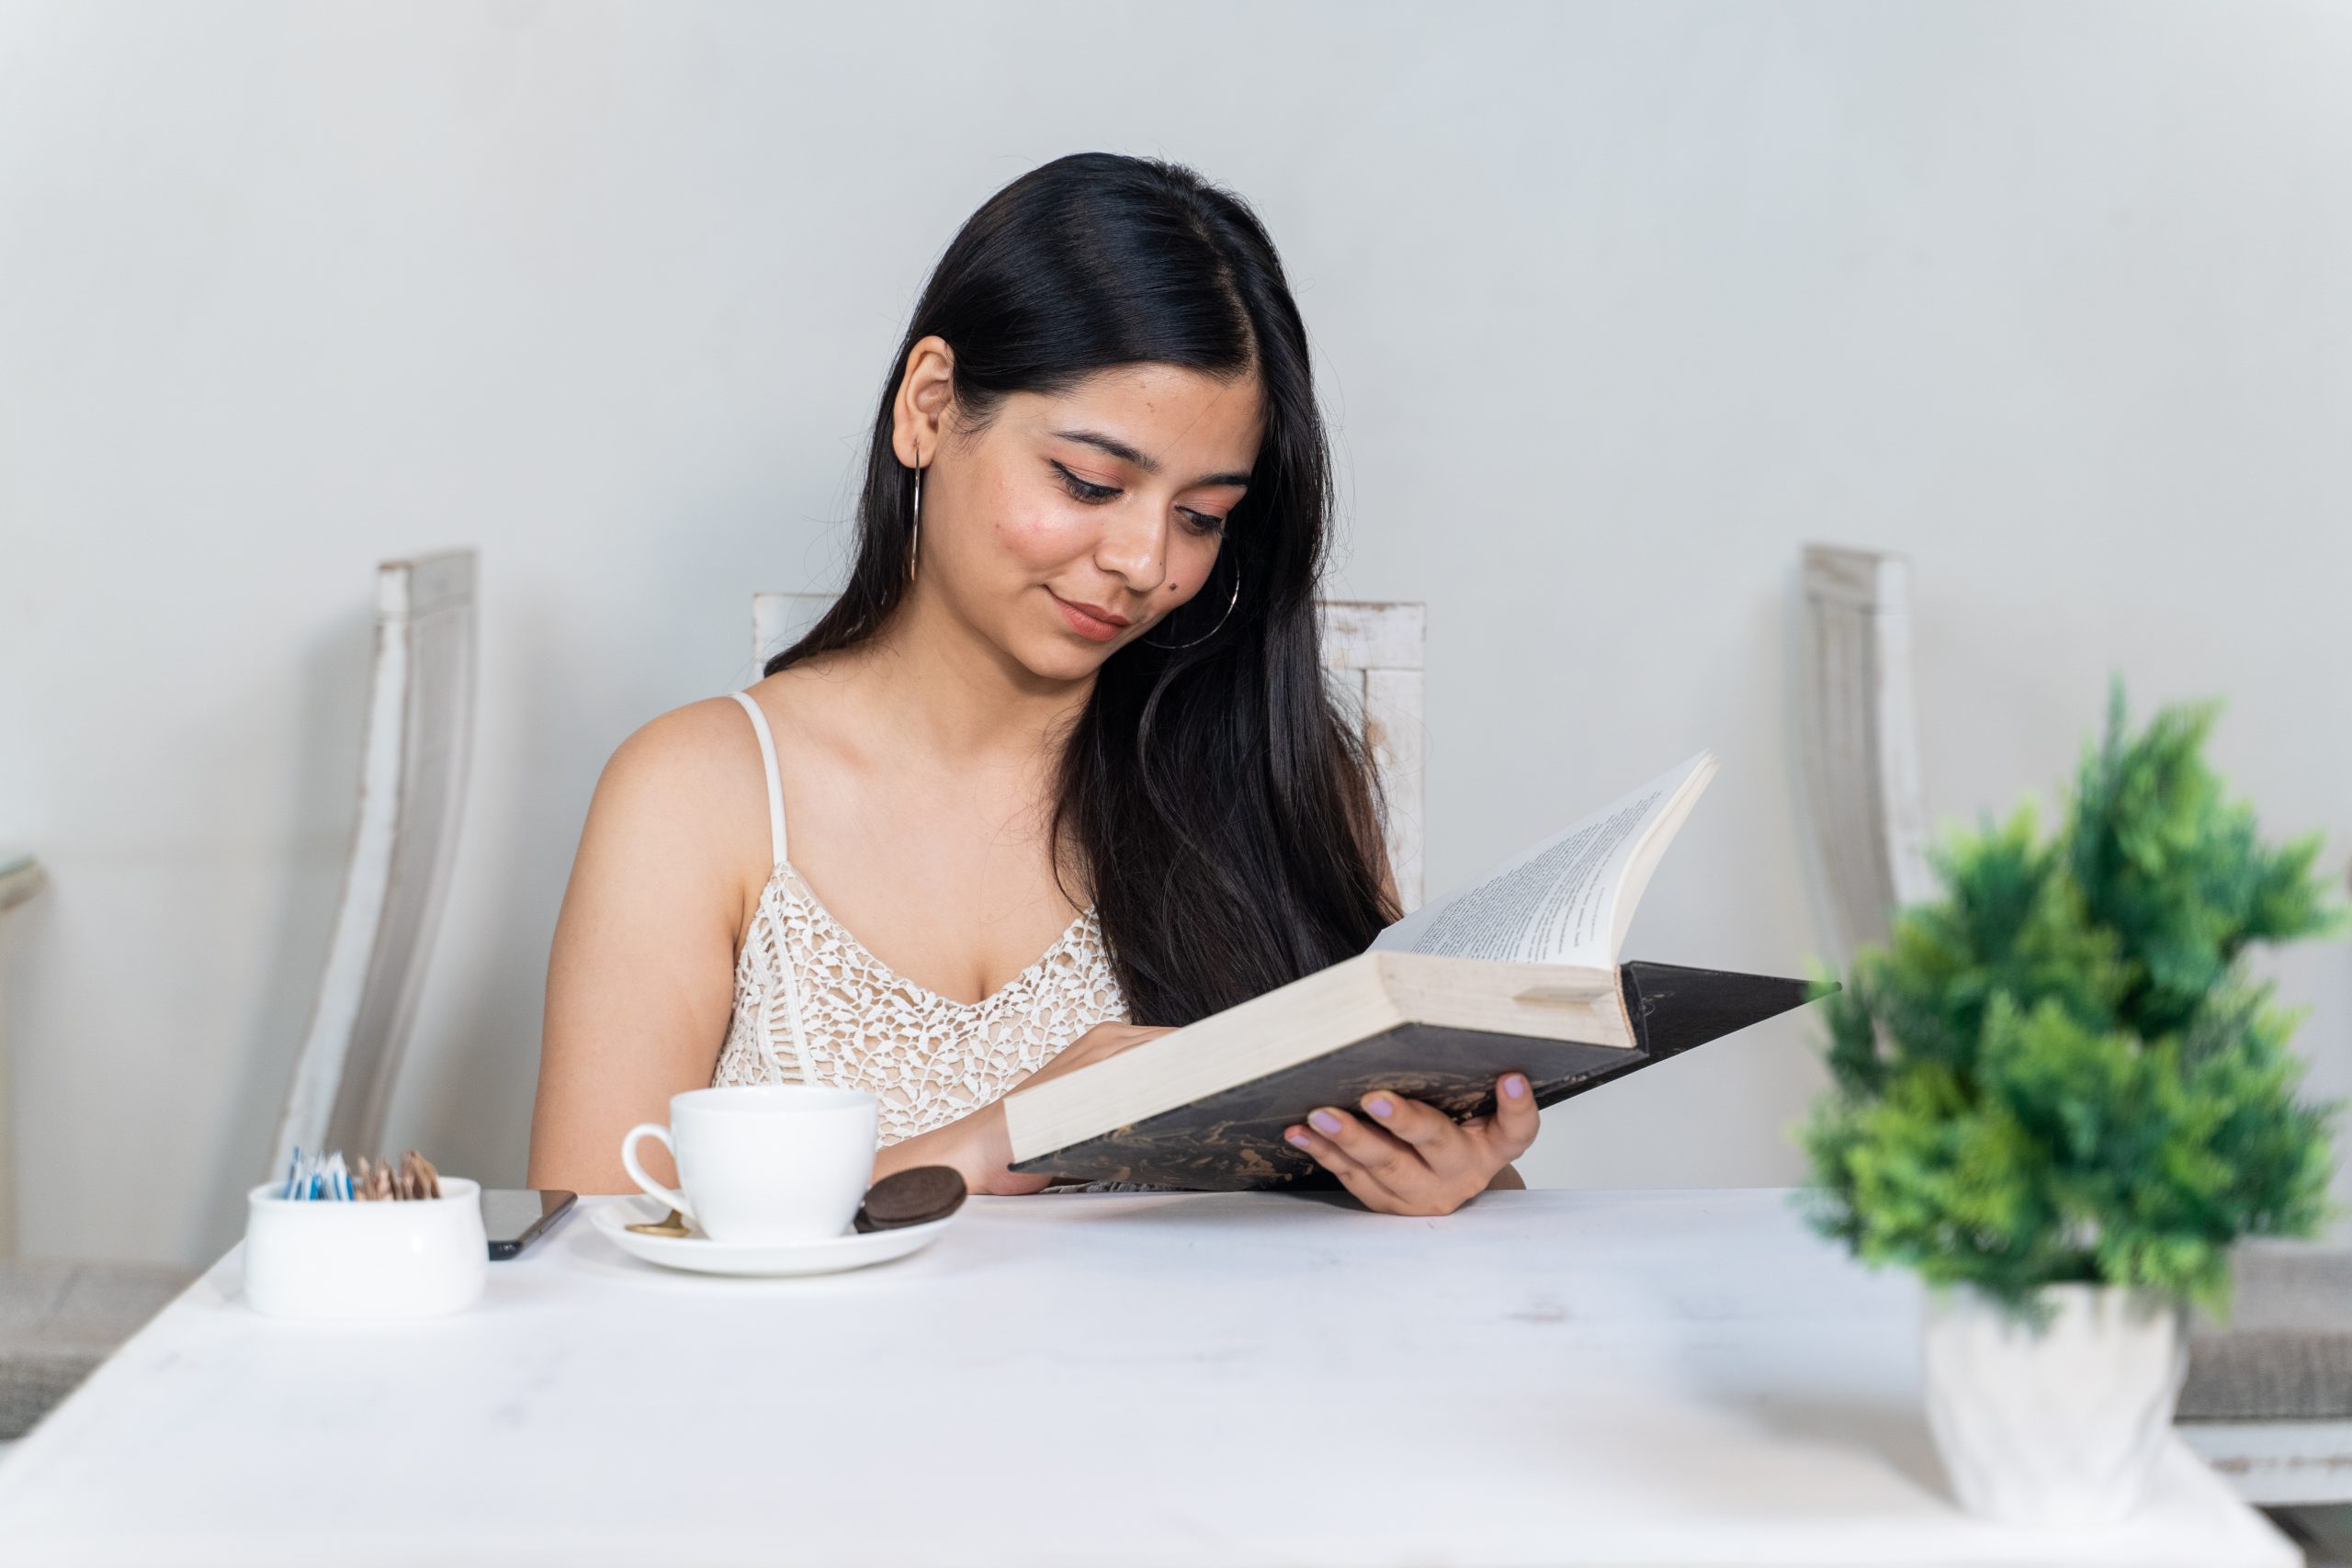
[1547, 1378]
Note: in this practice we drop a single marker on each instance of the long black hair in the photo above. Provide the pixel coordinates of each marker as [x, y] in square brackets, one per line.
[1220, 802]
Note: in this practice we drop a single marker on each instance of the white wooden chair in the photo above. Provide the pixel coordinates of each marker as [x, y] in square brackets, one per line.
[412, 785]
[20, 878]
[59, 1320]
[1373, 654]
[2269, 1400]
[1859, 741]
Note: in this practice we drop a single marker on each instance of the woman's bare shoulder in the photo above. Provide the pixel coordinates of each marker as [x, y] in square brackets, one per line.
[705, 750]
[697, 751]
[689, 784]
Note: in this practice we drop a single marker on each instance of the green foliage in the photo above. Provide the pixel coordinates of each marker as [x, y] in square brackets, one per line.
[2059, 1071]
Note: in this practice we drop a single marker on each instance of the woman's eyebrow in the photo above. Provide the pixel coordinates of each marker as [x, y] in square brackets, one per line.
[1126, 454]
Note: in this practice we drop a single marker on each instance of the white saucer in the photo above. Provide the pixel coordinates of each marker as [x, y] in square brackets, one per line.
[851, 1249]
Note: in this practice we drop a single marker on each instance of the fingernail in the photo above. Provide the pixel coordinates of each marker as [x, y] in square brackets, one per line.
[1380, 1105]
[1324, 1121]
[1296, 1137]
[1515, 1086]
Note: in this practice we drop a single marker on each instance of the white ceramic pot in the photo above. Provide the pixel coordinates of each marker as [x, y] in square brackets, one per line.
[412, 1258]
[2059, 1424]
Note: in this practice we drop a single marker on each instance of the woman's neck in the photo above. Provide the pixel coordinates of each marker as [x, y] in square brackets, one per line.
[931, 681]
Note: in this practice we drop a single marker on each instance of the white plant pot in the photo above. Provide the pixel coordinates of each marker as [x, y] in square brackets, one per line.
[2059, 1425]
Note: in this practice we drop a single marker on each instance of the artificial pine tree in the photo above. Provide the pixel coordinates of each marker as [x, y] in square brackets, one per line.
[2059, 1071]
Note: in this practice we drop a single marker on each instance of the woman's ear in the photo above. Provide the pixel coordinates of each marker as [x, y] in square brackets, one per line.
[926, 389]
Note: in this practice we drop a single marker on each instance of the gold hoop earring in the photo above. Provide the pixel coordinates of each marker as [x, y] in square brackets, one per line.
[1204, 637]
[914, 528]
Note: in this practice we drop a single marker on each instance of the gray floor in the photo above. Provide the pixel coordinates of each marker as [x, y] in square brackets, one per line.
[2324, 1534]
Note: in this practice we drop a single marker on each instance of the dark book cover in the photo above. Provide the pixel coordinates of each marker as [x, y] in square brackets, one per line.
[1232, 1140]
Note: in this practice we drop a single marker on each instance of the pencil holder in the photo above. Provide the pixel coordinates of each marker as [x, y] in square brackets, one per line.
[417, 1258]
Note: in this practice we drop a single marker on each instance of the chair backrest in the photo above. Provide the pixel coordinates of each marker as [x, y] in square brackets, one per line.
[411, 787]
[1373, 654]
[1859, 739]
[20, 878]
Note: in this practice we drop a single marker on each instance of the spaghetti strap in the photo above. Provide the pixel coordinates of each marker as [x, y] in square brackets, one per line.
[776, 780]
[791, 1000]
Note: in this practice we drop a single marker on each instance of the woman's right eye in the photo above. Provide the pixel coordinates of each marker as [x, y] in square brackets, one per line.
[1082, 489]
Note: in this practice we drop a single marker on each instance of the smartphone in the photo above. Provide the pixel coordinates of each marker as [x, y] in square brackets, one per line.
[513, 1220]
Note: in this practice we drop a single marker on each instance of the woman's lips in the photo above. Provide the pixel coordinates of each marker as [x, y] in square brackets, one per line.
[1085, 623]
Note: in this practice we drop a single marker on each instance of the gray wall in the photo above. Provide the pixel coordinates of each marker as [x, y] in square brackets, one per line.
[1617, 305]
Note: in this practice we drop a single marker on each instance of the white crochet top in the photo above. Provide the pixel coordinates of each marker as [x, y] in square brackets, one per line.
[813, 1006]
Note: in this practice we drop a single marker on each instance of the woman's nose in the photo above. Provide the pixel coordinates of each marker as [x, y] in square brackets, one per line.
[1134, 548]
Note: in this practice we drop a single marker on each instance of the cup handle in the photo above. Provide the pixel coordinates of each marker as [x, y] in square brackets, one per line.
[637, 1172]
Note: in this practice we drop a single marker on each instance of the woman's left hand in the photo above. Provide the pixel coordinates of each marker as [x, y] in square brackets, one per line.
[1401, 1156]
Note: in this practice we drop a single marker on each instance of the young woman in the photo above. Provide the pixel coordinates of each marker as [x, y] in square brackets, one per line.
[1060, 755]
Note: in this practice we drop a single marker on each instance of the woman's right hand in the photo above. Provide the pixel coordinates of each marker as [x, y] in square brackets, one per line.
[980, 1145]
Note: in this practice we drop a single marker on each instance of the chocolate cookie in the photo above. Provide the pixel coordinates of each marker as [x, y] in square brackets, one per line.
[913, 1197]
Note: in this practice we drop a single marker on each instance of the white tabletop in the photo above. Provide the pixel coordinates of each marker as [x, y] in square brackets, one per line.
[1107, 1379]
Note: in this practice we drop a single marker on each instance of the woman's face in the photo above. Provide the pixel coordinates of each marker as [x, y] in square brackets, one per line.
[1073, 524]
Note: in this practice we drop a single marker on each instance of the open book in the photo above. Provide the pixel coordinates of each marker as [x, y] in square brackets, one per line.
[1568, 901]
[1519, 973]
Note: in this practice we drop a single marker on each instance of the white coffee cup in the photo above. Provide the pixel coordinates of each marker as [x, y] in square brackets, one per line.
[764, 1163]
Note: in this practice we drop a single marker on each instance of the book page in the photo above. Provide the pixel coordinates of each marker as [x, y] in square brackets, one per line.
[1567, 899]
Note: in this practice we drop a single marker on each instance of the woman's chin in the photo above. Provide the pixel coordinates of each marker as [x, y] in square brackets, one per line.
[1061, 657]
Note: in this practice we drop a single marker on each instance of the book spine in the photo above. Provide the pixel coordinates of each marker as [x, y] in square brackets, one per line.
[1635, 1012]
[1629, 1006]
